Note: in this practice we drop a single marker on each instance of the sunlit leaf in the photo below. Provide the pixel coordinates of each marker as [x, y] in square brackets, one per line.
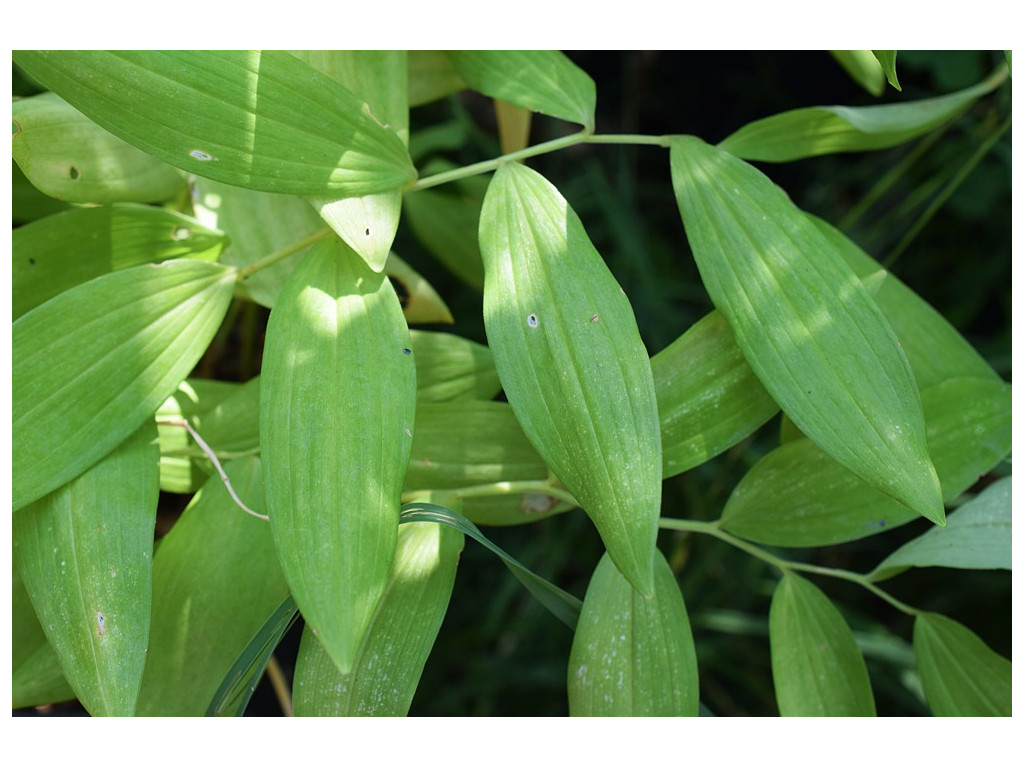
[961, 675]
[807, 327]
[864, 68]
[571, 361]
[90, 365]
[816, 665]
[431, 77]
[85, 555]
[258, 119]
[449, 367]
[420, 302]
[633, 656]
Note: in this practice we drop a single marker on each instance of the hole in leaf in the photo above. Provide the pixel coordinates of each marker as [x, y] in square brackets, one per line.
[73, 173]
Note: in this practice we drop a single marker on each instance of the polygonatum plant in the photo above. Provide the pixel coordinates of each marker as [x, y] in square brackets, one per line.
[236, 212]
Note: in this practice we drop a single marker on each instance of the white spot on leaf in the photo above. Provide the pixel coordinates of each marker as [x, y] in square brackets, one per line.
[532, 320]
[201, 155]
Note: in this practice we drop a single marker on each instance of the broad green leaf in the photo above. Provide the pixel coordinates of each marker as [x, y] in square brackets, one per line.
[36, 675]
[571, 361]
[633, 656]
[705, 409]
[796, 496]
[817, 667]
[337, 408]
[449, 367]
[962, 677]
[977, 535]
[888, 61]
[231, 427]
[85, 552]
[420, 302]
[864, 68]
[258, 119]
[431, 77]
[814, 131]
[28, 203]
[807, 327]
[92, 364]
[394, 651]
[380, 78]
[545, 81]
[69, 157]
[446, 219]
[562, 605]
[215, 583]
[61, 251]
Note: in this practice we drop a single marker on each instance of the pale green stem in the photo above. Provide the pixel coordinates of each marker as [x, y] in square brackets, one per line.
[289, 250]
[712, 529]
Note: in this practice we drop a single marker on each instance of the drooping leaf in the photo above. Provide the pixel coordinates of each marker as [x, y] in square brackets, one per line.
[888, 61]
[337, 408]
[633, 656]
[545, 81]
[90, 365]
[571, 361]
[85, 555]
[864, 68]
[705, 409]
[258, 119]
[814, 131]
[215, 583]
[807, 327]
[394, 651]
[69, 157]
[977, 535]
[961, 675]
[796, 496]
[816, 665]
[368, 223]
[449, 367]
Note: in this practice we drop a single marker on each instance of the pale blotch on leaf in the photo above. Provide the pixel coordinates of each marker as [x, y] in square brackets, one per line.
[201, 155]
[532, 320]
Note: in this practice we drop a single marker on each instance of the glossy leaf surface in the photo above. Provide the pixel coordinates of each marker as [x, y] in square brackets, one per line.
[961, 675]
[387, 669]
[337, 409]
[85, 555]
[817, 667]
[633, 656]
[807, 327]
[571, 361]
[258, 119]
[90, 365]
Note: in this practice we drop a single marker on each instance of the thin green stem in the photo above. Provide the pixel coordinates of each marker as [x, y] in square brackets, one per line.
[947, 192]
[712, 529]
[289, 250]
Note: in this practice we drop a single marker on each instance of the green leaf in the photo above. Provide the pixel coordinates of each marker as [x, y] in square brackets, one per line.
[337, 407]
[796, 496]
[977, 535]
[90, 365]
[380, 78]
[420, 302]
[706, 409]
[257, 119]
[814, 131]
[888, 61]
[817, 667]
[562, 605]
[85, 556]
[27, 202]
[215, 583]
[571, 361]
[67, 156]
[36, 675]
[962, 677]
[633, 656]
[449, 367]
[59, 252]
[864, 68]
[394, 651]
[431, 77]
[807, 327]
[544, 81]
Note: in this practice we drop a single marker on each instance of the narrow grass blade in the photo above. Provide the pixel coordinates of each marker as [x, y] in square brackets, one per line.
[817, 667]
[571, 361]
[633, 656]
[85, 555]
[390, 661]
[92, 364]
[257, 119]
[807, 327]
[337, 409]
